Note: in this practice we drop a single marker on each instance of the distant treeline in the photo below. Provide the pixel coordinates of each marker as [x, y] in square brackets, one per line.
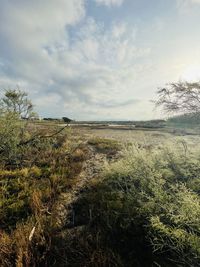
[190, 119]
[150, 123]
[65, 119]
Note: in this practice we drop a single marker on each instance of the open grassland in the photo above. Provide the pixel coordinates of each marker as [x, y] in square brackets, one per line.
[144, 136]
[101, 197]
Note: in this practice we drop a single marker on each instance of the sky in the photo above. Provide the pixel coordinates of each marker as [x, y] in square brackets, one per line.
[98, 59]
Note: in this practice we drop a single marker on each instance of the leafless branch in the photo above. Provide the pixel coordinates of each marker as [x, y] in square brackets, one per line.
[180, 97]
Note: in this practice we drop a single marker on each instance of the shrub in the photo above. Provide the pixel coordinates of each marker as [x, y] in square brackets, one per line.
[143, 209]
[10, 130]
[30, 192]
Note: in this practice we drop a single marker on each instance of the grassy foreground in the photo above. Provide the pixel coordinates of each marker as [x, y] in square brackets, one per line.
[142, 209]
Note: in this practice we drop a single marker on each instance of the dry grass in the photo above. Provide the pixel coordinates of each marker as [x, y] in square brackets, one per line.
[106, 146]
[30, 192]
[144, 208]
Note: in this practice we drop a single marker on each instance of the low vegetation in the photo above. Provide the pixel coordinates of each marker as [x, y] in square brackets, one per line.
[144, 211]
[37, 164]
[106, 146]
[187, 120]
[30, 190]
[58, 208]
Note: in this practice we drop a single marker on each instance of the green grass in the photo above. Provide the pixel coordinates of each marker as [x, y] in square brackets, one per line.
[107, 146]
[30, 192]
[144, 210]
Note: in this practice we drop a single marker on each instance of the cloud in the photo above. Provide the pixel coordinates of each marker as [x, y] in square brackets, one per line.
[69, 68]
[119, 104]
[184, 5]
[109, 2]
[26, 28]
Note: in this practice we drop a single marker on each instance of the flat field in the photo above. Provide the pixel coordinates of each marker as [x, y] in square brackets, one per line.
[141, 136]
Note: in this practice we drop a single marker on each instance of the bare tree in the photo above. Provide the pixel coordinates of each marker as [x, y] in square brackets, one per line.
[14, 106]
[180, 97]
[16, 101]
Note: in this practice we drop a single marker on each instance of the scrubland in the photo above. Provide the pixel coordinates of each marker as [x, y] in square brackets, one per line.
[98, 198]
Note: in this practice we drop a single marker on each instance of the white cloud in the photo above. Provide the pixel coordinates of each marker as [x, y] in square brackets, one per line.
[26, 28]
[89, 74]
[184, 5]
[41, 21]
[109, 2]
[71, 65]
[94, 68]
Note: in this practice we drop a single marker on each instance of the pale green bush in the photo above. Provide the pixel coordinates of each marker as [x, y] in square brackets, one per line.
[153, 186]
[10, 131]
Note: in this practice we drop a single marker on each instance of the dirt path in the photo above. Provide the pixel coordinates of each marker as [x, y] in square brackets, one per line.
[91, 169]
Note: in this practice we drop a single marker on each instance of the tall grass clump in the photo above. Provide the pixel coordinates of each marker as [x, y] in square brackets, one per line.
[31, 184]
[146, 209]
